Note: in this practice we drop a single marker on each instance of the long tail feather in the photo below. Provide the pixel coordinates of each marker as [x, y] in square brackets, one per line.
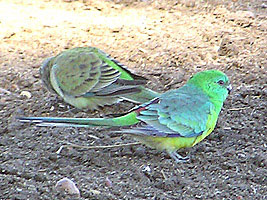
[125, 120]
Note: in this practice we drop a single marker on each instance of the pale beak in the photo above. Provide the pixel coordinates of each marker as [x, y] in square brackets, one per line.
[229, 88]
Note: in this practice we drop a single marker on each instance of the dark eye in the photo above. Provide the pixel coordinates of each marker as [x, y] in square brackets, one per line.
[220, 82]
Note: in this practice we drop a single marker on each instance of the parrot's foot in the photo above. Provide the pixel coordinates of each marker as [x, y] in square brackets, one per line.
[178, 158]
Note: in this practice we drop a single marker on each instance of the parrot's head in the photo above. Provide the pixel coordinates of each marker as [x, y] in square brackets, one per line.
[45, 74]
[214, 83]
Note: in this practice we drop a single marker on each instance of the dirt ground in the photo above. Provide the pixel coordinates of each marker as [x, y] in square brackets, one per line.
[165, 41]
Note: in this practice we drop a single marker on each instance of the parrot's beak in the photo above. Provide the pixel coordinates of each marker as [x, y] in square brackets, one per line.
[229, 88]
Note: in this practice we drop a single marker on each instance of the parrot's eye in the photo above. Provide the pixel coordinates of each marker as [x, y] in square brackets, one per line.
[220, 82]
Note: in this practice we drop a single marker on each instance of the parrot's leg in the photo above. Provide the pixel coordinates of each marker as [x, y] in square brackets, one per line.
[178, 158]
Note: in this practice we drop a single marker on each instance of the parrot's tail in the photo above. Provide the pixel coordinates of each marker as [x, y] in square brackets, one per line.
[125, 120]
[144, 96]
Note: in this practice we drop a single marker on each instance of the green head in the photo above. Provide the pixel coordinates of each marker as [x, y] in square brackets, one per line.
[213, 82]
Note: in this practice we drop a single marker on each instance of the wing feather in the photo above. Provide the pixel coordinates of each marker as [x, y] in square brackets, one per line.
[179, 113]
[90, 72]
[77, 73]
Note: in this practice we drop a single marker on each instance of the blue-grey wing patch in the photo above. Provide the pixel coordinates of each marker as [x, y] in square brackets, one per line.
[178, 113]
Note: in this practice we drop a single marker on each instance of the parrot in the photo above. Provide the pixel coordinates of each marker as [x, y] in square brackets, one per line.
[176, 119]
[88, 78]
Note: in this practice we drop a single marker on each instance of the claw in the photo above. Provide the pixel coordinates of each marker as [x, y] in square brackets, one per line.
[178, 158]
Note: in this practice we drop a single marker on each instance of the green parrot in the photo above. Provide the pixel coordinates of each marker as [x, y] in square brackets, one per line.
[176, 119]
[88, 78]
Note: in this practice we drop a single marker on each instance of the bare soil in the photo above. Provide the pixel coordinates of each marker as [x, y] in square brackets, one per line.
[165, 41]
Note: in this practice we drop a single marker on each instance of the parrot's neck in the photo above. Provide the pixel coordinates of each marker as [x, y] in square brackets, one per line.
[216, 100]
[218, 103]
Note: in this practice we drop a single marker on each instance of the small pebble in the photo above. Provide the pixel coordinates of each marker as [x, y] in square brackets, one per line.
[26, 94]
[67, 185]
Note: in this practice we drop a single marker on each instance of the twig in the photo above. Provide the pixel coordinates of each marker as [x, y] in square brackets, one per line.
[60, 149]
[236, 109]
[93, 136]
[95, 147]
[103, 147]
[163, 174]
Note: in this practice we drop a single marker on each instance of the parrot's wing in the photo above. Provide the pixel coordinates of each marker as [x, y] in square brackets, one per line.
[87, 70]
[78, 74]
[126, 83]
[126, 73]
[179, 113]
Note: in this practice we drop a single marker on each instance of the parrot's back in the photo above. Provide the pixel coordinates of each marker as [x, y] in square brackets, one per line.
[86, 77]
